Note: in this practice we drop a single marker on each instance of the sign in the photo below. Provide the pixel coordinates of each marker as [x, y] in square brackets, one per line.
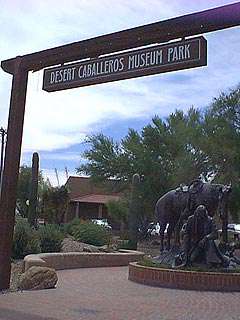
[174, 56]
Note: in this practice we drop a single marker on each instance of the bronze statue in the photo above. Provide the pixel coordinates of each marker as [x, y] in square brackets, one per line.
[177, 205]
[199, 238]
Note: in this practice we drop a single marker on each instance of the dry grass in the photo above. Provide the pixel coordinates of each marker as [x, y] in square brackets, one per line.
[16, 271]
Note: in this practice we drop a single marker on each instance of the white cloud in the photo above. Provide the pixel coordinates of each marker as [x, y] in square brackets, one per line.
[60, 119]
[68, 156]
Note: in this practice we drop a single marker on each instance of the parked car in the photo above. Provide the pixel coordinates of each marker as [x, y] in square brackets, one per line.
[102, 222]
[154, 229]
[233, 231]
[151, 229]
[234, 227]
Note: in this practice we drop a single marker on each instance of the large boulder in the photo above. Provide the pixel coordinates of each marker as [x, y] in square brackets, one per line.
[37, 278]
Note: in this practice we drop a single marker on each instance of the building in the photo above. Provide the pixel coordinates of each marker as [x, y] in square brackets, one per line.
[88, 200]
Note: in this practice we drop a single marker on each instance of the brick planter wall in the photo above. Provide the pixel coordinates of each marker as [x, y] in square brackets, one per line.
[180, 279]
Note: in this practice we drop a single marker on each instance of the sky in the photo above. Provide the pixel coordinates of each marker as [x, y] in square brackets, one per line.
[57, 123]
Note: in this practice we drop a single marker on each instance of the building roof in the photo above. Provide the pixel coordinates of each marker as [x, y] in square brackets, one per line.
[79, 187]
[96, 198]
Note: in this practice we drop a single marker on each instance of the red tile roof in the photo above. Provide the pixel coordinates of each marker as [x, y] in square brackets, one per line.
[83, 186]
[96, 198]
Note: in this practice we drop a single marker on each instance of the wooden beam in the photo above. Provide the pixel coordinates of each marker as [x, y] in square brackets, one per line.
[11, 169]
[184, 26]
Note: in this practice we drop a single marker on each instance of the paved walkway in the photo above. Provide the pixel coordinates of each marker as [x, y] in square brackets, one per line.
[106, 294]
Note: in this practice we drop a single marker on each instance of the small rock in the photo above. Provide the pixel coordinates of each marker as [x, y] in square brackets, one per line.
[90, 248]
[104, 249]
[71, 245]
[36, 278]
[147, 256]
[155, 243]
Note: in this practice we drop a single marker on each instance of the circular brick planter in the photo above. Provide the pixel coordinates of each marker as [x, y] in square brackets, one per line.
[180, 279]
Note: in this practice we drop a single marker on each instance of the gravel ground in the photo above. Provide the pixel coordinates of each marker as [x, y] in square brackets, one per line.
[16, 271]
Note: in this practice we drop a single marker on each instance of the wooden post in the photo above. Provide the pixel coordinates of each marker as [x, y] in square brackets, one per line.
[3, 133]
[11, 169]
[100, 211]
[77, 210]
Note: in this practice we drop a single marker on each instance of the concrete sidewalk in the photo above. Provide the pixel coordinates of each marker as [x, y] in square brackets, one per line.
[106, 294]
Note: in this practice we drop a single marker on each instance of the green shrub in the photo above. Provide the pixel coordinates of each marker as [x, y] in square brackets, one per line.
[127, 244]
[50, 238]
[124, 235]
[25, 239]
[69, 227]
[92, 233]
[147, 262]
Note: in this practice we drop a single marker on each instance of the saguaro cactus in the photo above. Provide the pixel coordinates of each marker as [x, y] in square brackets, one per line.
[134, 210]
[33, 195]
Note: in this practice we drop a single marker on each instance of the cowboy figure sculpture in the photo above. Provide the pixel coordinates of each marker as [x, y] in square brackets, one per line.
[199, 246]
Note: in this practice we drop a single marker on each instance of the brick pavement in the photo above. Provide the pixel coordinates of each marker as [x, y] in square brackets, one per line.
[106, 294]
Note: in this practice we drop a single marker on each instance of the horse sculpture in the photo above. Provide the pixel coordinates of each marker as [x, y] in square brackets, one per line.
[177, 205]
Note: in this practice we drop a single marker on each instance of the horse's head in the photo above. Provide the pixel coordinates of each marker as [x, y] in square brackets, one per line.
[223, 197]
